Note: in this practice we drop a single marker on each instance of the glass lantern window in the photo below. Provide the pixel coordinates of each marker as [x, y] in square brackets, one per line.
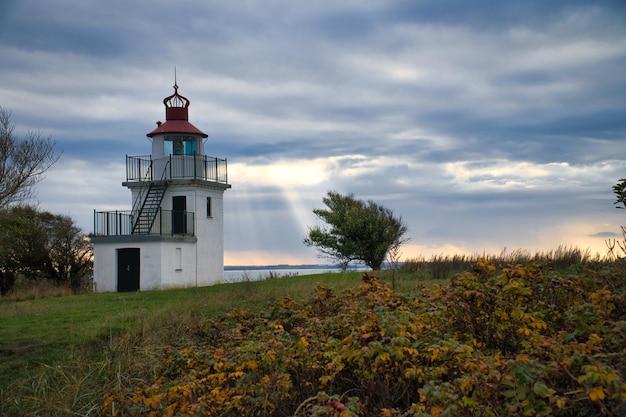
[180, 145]
[190, 147]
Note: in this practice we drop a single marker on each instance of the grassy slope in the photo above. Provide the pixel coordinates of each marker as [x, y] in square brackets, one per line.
[46, 331]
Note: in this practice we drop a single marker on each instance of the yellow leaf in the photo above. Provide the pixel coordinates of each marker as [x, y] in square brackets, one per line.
[325, 379]
[466, 384]
[496, 359]
[412, 351]
[410, 372]
[303, 342]
[153, 402]
[560, 402]
[436, 410]
[596, 394]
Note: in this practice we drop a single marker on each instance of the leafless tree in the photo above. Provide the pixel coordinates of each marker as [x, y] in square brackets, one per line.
[393, 257]
[23, 162]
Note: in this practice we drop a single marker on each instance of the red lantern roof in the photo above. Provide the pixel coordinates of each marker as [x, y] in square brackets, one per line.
[176, 117]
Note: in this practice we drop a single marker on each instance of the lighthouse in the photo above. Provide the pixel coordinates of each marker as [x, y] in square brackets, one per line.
[173, 236]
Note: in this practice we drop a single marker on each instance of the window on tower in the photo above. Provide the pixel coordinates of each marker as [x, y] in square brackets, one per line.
[179, 259]
[180, 145]
[209, 208]
[177, 144]
[190, 147]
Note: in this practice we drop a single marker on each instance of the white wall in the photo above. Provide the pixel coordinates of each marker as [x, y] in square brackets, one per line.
[104, 267]
[210, 233]
[178, 267]
[149, 265]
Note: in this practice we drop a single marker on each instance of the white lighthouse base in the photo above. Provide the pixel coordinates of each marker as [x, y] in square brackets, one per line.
[141, 263]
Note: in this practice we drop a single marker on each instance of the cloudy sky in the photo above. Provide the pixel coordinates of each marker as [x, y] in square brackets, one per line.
[484, 124]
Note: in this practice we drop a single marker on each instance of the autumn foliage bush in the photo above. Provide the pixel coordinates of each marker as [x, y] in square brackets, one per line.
[517, 340]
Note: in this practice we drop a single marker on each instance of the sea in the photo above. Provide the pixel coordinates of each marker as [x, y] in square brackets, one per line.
[258, 273]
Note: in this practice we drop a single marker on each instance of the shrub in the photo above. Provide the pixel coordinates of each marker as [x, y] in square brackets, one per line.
[523, 340]
[446, 266]
[28, 289]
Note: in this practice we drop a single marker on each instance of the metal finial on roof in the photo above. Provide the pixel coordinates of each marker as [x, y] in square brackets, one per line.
[176, 100]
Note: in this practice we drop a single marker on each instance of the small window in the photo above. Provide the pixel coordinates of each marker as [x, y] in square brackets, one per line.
[209, 209]
[179, 259]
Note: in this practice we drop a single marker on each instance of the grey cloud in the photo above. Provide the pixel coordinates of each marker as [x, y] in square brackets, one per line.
[605, 234]
[428, 84]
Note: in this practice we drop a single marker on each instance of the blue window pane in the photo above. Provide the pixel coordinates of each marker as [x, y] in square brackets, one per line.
[190, 147]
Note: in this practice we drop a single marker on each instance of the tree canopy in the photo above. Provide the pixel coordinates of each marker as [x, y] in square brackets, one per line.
[620, 193]
[620, 202]
[22, 161]
[39, 245]
[357, 231]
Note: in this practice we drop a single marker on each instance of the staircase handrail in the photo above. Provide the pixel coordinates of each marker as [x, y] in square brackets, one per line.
[145, 189]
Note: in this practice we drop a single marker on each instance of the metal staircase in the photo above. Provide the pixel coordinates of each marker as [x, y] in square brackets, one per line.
[149, 208]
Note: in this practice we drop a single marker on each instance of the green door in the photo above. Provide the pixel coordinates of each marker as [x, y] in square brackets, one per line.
[179, 215]
[128, 269]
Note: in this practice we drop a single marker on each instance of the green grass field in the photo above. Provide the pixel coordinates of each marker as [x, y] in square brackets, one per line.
[43, 332]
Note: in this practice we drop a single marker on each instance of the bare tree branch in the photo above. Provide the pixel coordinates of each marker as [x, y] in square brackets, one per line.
[23, 163]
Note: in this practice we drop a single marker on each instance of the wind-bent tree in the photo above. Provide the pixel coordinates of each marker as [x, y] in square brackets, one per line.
[358, 231]
[22, 161]
[620, 193]
[620, 202]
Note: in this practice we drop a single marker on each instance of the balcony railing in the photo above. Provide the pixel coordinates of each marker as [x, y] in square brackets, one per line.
[120, 223]
[207, 168]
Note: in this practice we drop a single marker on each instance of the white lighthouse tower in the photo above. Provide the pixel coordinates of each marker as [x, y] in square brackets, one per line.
[174, 234]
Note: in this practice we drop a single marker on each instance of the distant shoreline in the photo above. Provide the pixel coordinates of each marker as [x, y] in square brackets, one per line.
[235, 273]
[352, 267]
[278, 266]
